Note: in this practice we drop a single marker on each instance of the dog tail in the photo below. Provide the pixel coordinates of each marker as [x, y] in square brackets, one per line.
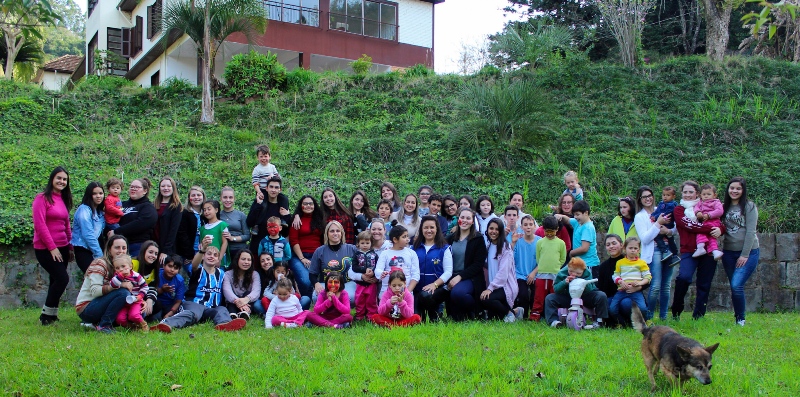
[637, 319]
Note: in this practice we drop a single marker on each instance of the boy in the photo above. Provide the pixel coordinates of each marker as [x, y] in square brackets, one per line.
[584, 236]
[263, 171]
[511, 220]
[525, 261]
[551, 253]
[666, 244]
[592, 297]
[364, 261]
[172, 289]
[113, 204]
[275, 244]
[435, 205]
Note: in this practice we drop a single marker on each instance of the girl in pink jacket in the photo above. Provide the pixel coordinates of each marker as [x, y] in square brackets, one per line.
[397, 304]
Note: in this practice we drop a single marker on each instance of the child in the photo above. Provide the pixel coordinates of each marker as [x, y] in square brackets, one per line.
[630, 272]
[332, 309]
[551, 253]
[584, 236]
[275, 244]
[424, 194]
[525, 262]
[666, 244]
[385, 213]
[113, 204]
[397, 304]
[131, 313]
[501, 281]
[592, 297]
[214, 227]
[285, 311]
[263, 171]
[573, 187]
[485, 208]
[511, 220]
[276, 273]
[364, 262]
[709, 211]
[172, 289]
[264, 269]
[435, 202]
[399, 256]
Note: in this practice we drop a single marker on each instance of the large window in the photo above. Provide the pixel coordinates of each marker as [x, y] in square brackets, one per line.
[302, 12]
[154, 18]
[117, 41]
[91, 6]
[365, 17]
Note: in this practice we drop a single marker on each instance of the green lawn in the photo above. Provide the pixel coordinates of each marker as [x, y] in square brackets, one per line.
[480, 359]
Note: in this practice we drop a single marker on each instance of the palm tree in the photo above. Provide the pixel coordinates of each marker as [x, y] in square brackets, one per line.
[208, 23]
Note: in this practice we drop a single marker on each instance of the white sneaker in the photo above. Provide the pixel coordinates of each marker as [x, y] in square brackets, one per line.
[592, 326]
[291, 325]
[518, 313]
[510, 317]
[88, 326]
[740, 323]
[717, 254]
[699, 252]
[556, 324]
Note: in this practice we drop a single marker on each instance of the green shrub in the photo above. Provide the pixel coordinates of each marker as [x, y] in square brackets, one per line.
[300, 80]
[362, 65]
[253, 75]
[418, 70]
[16, 229]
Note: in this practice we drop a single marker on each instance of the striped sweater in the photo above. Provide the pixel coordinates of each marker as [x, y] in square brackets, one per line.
[628, 270]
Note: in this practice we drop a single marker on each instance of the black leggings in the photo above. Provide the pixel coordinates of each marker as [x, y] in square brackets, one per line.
[496, 304]
[83, 257]
[59, 278]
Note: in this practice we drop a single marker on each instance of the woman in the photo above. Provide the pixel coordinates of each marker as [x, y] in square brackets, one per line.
[305, 241]
[334, 255]
[389, 192]
[238, 234]
[146, 264]
[622, 225]
[647, 232]
[469, 256]
[435, 268]
[98, 303]
[564, 233]
[424, 193]
[705, 265]
[241, 285]
[51, 238]
[359, 207]
[334, 210]
[88, 226]
[501, 279]
[189, 230]
[740, 250]
[466, 201]
[605, 281]
[378, 231]
[450, 212]
[169, 209]
[139, 217]
[408, 216]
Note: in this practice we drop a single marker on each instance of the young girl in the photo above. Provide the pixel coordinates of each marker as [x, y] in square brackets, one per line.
[389, 192]
[333, 308]
[385, 212]
[501, 280]
[449, 210]
[276, 273]
[359, 207]
[424, 193]
[709, 211]
[399, 256]
[485, 208]
[214, 228]
[241, 286]
[285, 311]
[408, 216]
[131, 313]
[397, 304]
[630, 272]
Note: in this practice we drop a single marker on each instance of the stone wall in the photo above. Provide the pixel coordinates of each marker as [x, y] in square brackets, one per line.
[775, 285]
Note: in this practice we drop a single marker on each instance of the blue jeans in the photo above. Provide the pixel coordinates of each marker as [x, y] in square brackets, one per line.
[462, 302]
[300, 272]
[103, 310]
[738, 277]
[705, 266]
[622, 296]
[659, 288]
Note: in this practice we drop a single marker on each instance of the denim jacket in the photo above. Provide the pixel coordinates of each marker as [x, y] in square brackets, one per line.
[86, 229]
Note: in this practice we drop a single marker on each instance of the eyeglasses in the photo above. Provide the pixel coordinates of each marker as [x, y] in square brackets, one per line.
[451, 205]
[307, 203]
[649, 196]
[135, 187]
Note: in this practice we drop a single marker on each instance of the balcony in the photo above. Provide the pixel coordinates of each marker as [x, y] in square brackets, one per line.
[363, 26]
[278, 11]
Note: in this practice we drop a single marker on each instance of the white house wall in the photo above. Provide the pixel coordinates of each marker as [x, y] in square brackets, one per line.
[416, 23]
[181, 63]
[53, 80]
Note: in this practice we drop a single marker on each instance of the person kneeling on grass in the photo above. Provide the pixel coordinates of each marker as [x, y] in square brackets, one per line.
[592, 297]
[204, 295]
[397, 304]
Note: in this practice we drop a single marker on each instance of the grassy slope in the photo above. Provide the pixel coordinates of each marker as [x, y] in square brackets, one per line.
[619, 128]
[482, 359]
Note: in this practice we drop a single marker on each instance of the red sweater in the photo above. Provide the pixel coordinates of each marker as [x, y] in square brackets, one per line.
[51, 228]
[689, 229]
[308, 239]
[113, 209]
[562, 234]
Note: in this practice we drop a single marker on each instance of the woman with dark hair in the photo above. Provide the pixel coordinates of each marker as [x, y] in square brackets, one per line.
[564, 233]
[241, 285]
[98, 303]
[469, 256]
[450, 212]
[334, 210]
[740, 250]
[51, 238]
[88, 226]
[501, 278]
[705, 265]
[188, 238]
[139, 217]
[466, 201]
[605, 280]
[146, 264]
[647, 231]
[168, 207]
[622, 225]
[305, 240]
[363, 214]
[435, 269]
[389, 192]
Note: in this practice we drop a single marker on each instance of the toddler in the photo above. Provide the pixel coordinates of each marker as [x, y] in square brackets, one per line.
[666, 244]
[397, 304]
[629, 273]
[332, 309]
[263, 171]
[275, 244]
[573, 187]
[364, 262]
[709, 211]
[131, 313]
[113, 204]
[285, 311]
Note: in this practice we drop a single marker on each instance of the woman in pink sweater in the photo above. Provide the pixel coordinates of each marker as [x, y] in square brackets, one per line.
[333, 308]
[51, 238]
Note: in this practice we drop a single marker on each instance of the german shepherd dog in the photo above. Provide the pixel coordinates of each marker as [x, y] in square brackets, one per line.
[680, 358]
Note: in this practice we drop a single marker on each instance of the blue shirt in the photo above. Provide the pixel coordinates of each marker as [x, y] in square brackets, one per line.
[525, 257]
[87, 228]
[585, 232]
[168, 299]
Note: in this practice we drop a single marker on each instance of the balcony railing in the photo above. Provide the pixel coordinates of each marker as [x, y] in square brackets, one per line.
[362, 26]
[292, 14]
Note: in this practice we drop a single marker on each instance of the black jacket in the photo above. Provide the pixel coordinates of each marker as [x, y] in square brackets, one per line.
[474, 262]
[258, 215]
[187, 232]
[138, 219]
[168, 224]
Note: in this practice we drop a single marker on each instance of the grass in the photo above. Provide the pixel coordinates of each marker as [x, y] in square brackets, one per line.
[470, 359]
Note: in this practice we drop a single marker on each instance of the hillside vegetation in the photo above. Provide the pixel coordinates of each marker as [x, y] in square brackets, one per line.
[686, 118]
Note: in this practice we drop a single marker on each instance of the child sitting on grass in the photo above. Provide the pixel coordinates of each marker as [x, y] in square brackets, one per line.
[172, 289]
[629, 273]
[131, 313]
[332, 309]
[397, 304]
[285, 311]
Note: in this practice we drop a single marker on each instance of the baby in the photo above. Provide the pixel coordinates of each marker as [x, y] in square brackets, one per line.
[709, 211]
[131, 313]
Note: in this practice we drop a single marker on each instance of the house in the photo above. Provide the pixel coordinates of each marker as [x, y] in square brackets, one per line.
[313, 34]
[55, 74]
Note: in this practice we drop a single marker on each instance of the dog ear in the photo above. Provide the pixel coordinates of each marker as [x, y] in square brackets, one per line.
[711, 348]
[685, 353]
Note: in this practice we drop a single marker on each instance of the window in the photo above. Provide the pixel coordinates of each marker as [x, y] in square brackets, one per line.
[90, 55]
[136, 37]
[91, 7]
[365, 17]
[117, 46]
[155, 79]
[302, 12]
[154, 18]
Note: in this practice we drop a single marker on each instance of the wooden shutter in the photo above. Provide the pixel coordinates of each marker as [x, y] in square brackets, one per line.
[126, 43]
[150, 21]
[137, 39]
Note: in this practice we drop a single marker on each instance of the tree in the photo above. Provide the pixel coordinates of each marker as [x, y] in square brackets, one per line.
[21, 20]
[209, 23]
[626, 18]
[72, 17]
[529, 44]
[718, 19]
[775, 30]
[29, 57]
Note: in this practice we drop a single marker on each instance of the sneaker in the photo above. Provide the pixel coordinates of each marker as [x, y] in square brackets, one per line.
[46, 319]
[234, 316]
[699, 252]
[233, 325]
[141, 326]
[594, 325]
[308, 325]
[161, 327]
[676, 260]
[105, 330]
[244, 315]
[89, 326]
[342, 325]
[717, 254]
[291, 325]
[535, 316]
[510, 317]
[518, 313]
[665, 257]
[740, 323]
[556, 324]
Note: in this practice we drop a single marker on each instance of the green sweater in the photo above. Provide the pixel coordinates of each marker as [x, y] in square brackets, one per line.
[550, 255]
[560, 286]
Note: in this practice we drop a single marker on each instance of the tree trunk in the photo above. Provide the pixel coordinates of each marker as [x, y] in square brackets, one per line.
[12, 48]
[718, 18]
[208, 105]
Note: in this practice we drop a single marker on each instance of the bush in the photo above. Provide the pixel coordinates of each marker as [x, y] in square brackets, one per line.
[253, 75]
[361, 65]
[418, 70]
[300, 80]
